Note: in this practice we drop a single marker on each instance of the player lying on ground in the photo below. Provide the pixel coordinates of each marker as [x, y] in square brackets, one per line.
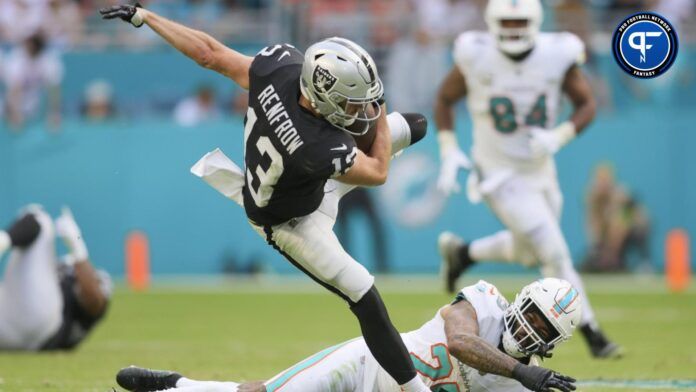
[46, 304]
[303, 113]
[514, 78]
[478, 343]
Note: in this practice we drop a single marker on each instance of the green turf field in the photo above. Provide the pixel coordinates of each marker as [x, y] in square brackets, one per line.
[247, 330]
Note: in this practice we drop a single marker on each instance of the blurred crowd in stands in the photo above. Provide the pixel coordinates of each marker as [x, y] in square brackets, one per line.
[410, 40]
[618, 226]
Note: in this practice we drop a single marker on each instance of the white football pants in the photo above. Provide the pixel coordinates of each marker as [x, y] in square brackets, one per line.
[31, 302]
[531, 212]
[346, 367]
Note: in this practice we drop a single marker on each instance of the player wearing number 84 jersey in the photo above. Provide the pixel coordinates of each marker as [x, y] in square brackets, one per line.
[514, 78]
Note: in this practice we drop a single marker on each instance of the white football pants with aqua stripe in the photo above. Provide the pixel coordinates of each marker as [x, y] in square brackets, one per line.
[346, 367]
[31, 303]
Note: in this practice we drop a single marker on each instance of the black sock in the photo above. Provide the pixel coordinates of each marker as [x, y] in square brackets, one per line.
[382, 338]
[594, 337]
[24, 231]
[418, 125]
[463, 254]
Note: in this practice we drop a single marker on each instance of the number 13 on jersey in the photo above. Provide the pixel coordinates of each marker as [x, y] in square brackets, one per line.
[266, 178]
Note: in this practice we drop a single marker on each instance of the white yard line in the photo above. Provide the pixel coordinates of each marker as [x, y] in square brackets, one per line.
[681, 385]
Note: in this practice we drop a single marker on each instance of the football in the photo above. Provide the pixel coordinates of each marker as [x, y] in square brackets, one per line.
[364, 142]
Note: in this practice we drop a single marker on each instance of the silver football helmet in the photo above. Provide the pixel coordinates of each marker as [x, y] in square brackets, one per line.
[340, 80]
[514, 40]
[553, 302]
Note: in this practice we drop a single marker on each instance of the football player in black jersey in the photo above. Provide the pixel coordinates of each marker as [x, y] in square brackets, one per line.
[301, 157]
[46, 304]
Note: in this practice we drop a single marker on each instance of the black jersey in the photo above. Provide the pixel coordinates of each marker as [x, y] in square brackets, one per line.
[289, 152]
[76, 323]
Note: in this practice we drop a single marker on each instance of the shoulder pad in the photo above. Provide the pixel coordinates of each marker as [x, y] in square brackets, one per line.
[468, 46]
[571, 47]
[274, 57]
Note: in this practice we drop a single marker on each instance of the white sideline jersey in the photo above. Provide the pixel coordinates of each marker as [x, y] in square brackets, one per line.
[441, 371]
[507, 98]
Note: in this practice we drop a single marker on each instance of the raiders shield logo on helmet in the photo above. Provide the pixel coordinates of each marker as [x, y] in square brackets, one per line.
[323, 79]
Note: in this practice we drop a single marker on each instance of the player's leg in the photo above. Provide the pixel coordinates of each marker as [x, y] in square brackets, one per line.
[562, 267]
[503, 246]
[310, 244]
[30, 298]
[336, 369]
[457, 255]
[340, 368]
[406, 129]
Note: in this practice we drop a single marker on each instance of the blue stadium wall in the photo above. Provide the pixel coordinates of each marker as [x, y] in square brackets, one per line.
[134, 175]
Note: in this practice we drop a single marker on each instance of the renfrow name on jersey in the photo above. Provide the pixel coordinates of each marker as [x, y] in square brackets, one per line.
[275, 113]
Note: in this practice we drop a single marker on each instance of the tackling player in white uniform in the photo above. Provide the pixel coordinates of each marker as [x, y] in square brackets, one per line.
[513, 78]
[478, 343]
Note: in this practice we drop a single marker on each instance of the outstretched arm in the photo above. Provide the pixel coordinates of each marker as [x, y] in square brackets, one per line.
[199, 46]
[92, 299]
[461, 329]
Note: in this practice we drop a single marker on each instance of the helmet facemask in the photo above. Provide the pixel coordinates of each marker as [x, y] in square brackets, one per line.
[515, 36]
[520, 337]
[353, 116]
[544, 314]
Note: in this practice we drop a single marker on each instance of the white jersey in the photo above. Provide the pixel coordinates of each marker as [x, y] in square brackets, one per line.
[508, 98]
[441, 371]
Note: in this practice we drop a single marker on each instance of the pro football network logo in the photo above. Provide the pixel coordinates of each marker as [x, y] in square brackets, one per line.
[323, 79]
[645, 45]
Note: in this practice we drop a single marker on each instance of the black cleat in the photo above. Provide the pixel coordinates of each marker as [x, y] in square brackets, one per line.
[24, 231]
[600, 346]
[136, 379]
[418, 125]
[455, 258]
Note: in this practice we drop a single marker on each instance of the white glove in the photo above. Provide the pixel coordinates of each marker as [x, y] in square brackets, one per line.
[545, 142]
[452, 159]
[69, 232]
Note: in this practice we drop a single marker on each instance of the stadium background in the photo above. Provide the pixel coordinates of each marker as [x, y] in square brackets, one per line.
[130, 171]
